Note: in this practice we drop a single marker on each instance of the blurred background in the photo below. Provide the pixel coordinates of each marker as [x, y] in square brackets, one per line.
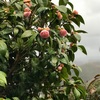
[90, 63]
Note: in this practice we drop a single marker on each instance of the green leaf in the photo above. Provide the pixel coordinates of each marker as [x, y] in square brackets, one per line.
[62, 8]
[54, 60]
[76, 21]
[69, 11]
[19, 14]
[71, 5]
[64, 60]
[16, 30]
[74, 48]
[76, 71]
[7, 55]
[68, 89]
[77, 36]
[82, 91]
[16, 98]
[80, 18]
[1, 11]
[71, 55]
[63, 2]
[7, 99]
[7, 31]
[53, 31]
[64, 73]
[3, 80]
[34, 98]
[43, 2]
[42, 9]
[26, 34]
[1, 72]
[59, 43]
[29, 42]
[20, 27]
[12, 1]
[68, 28]
[76, 93]
[3, 48]
[82, 48]
[81, 31]
[18, 6]
[80, 69]
[2, 99]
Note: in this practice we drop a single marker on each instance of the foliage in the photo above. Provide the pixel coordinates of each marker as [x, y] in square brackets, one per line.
[39, 66]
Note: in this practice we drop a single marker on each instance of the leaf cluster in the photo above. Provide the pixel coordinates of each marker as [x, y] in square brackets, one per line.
[31, 62]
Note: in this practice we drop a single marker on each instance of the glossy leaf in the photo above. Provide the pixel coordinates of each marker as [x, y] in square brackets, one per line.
[76, 21]
[82, 48]
[16, 98]
[77, 36]
[3, 80]
[74, 48]
[3, 48]
[42, 9]
[71, 5]
[16, 31]
[76, 93]
[18, 6]
[71, 55]
[62, 8]
[76, 71]
[7, 31]
[80, 18]
[26, 34]
[81, 31]
[64, 73]
[65, 59]
[68, 28]
[43, 2]
[20, 27]
[63, 2]
[54, 60]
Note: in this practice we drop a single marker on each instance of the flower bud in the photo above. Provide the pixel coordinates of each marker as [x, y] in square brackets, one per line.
[59, 68]
[44, 34]
[75, 12]
[63, 32]
[27, 12]
[26, 1]
[59, 15]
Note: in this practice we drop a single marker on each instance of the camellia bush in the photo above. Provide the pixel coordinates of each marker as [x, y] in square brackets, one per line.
[38, 41]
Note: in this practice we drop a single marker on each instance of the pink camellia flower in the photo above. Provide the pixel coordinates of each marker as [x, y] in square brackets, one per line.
[75, 12]
[44, 34]
[27, 12]
[63, 32]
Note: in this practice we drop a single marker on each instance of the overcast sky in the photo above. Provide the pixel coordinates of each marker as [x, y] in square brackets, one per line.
[90, 10]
